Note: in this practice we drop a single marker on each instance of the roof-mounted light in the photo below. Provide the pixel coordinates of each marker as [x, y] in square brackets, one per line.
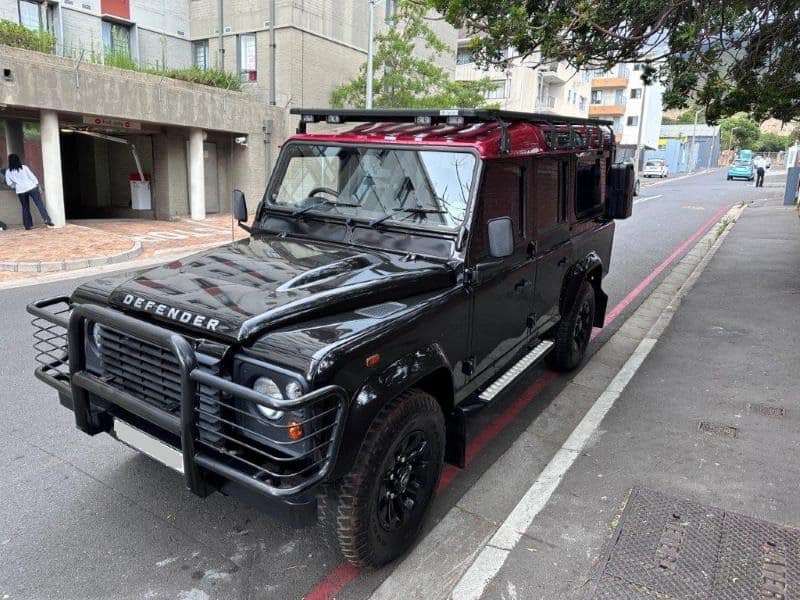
[455, 120]
[423, 120]
[307, 118]
[333, 119]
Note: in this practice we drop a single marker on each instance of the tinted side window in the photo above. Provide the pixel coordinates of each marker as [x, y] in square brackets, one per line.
[550, 181]
[588, 188]
[501, 195]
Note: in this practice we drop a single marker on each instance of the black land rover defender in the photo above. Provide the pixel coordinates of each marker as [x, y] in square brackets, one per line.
[396, 273]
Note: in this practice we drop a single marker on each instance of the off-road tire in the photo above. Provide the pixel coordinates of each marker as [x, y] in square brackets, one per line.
[351, 506]
[571, 337]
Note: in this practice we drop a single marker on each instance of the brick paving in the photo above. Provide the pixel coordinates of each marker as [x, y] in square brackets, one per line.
[94, 238]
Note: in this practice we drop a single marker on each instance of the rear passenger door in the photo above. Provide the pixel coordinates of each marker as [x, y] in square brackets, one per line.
[552, 245]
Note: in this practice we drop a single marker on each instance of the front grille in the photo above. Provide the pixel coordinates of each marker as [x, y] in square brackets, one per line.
[142, 369]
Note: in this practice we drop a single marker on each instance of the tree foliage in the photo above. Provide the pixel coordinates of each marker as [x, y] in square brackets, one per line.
[408, 77]
[739, 132]
[772, 142]
[729, 57]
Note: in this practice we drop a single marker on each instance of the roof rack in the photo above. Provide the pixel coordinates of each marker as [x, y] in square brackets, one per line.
[449, 116]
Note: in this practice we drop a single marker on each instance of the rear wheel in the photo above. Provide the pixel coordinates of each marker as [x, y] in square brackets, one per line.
[574, 330]
[378, 508]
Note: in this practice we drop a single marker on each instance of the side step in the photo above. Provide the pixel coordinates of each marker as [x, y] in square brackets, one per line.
[499, 384]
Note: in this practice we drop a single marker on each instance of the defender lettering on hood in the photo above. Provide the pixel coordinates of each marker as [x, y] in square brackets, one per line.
[169, 312]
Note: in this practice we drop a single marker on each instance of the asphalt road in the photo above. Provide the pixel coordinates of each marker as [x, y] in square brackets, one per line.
[85, 517]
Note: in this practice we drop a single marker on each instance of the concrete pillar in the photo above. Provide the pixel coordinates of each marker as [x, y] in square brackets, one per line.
[51, 157]
[15, 139]
[197, 175]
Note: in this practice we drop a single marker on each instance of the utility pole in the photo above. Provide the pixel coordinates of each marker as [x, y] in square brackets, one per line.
[272, 73]
[694, 136]
[641, 129]
[221, 60]
[369, 53]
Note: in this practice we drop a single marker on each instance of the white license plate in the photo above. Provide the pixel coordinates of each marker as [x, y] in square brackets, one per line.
[149, 445]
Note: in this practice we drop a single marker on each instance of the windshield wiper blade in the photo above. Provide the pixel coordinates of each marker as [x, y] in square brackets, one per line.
[322, 202]
[421, 211]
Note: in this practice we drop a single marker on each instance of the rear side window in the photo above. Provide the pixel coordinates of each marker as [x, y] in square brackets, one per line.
[589, 188]
[549, 184]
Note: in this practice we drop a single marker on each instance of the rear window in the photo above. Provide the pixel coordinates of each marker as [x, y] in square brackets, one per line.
[741, 163]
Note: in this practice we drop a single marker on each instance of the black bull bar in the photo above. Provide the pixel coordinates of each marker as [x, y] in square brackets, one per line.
[60, 345]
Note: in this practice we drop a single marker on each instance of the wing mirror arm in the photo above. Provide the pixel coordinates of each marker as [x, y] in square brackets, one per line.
[240, 210]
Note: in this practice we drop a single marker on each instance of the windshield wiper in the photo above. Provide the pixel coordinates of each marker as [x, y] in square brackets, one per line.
[322, 202]
[412, 211]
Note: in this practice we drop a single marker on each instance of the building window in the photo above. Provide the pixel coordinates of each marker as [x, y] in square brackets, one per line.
[116, 38]
[637, 67]
[464, 56]
[200, 54]
[498, 92]
[617, 126]
[582, 103]
[247, 57]
[632, 121]
[597, 96]
[636, 93]
[30, 16]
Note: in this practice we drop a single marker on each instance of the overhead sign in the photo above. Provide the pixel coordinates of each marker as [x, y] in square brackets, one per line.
[109, 122]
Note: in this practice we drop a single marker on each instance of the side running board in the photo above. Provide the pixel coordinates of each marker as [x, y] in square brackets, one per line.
[499, 384]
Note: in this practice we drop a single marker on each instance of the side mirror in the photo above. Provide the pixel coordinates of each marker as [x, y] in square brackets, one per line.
[239, 206]
[501, 237]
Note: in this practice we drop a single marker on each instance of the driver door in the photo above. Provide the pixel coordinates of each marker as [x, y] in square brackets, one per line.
[502, 288]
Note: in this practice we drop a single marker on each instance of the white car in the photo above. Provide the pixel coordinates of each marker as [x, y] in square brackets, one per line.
[655, 168]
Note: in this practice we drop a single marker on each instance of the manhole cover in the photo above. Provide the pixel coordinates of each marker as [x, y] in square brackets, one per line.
[767, 410]
[670, 548]
[718, 429]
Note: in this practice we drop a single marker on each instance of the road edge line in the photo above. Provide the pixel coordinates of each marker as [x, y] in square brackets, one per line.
[492, 557]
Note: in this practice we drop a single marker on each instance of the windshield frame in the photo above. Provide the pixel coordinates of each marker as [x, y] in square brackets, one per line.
[265, 206]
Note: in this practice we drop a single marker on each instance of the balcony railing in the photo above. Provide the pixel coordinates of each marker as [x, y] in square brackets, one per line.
[546, 103]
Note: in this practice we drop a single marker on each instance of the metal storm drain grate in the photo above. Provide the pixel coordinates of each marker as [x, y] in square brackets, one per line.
[718, 429]
[767, 410]
[669, 548]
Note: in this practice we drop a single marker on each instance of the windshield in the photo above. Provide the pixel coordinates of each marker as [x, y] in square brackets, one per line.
[741, 163]
[424, 187]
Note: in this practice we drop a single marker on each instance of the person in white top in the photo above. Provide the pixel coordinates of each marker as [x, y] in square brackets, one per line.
[760, 163]
[24, 182]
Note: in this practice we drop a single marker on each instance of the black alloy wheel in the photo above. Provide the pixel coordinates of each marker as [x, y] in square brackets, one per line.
[574, 330]
[378, 508]
[406, 475]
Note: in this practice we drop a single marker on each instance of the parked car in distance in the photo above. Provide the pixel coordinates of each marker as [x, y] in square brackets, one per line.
[741, 169]
[656, 167]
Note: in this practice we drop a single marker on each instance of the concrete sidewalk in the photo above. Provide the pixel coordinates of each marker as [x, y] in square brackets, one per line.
[711, 419]
[83, 244]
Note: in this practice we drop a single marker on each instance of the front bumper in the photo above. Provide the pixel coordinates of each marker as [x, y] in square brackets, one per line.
[210, 462]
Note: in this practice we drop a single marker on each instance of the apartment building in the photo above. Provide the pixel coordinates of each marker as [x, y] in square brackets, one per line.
[524, 84]
[620, 96]
[97, 127]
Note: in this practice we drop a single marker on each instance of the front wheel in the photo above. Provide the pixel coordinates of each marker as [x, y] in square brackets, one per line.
[574, 330]
[378, 508]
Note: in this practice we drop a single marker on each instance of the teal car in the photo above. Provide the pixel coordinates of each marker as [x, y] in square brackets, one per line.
[741, 169]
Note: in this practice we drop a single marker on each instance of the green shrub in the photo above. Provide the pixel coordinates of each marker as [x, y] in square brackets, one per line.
[210, 77]
[12, 34]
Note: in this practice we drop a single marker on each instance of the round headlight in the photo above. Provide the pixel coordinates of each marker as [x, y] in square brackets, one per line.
[267, 387]
[97, 335]
[293, 390]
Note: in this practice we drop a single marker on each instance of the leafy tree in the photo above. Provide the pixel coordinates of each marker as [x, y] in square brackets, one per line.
[687, 117]
[728, 57]
[405, 79]
[739, 131]
[772, 142]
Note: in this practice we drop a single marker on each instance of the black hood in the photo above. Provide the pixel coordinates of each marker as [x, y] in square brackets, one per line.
[237, 291]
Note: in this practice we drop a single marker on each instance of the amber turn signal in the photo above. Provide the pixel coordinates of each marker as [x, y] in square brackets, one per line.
[295, 430]
[373, 360]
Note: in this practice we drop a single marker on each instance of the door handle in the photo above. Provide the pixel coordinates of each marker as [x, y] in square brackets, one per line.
[562, 262]
[521, 285]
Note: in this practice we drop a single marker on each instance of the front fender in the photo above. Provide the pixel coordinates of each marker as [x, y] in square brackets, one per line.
[382, 387]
